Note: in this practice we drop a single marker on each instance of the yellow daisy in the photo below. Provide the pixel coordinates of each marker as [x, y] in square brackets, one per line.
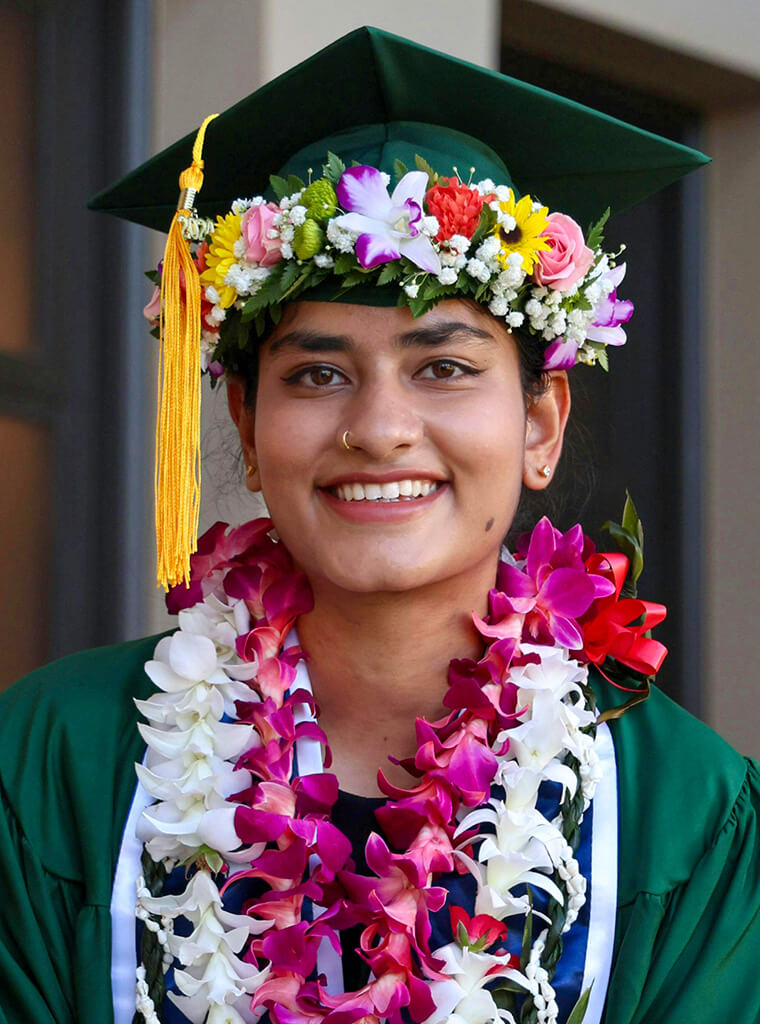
[525, 237]
[221, 256]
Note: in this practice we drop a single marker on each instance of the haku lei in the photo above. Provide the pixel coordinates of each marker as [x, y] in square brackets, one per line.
[221, 737]
[430, 238]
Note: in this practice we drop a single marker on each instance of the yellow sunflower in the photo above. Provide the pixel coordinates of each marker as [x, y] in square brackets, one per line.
[525, 236]
[221, 256]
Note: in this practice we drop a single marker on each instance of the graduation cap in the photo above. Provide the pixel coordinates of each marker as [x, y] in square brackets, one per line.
[373, 97]
[380, 101]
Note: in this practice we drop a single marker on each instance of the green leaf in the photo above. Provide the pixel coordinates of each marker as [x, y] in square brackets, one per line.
[275, 312]
[595, 235]
[243, 333]
[432, 289]
[399, 169]
[629, 538]
[269, 292]
[418, 306]
[279, 185]
[578, 1012]
[344, 263]
[486, 224]
[155, 332]
[289, 274]
[295, 184]
[334, 168]
[463, 939]
[422, 165]
[390, 272]
[154, 277]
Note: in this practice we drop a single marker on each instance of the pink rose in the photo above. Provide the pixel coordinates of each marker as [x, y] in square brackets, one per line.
[569, 259]
[256, 224]
[153, 310]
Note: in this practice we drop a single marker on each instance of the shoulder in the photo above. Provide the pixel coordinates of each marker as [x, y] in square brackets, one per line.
[67, 744]
[679, 784]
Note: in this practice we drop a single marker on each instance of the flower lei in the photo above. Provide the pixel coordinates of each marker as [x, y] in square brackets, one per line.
[432, 238]
[221, 737]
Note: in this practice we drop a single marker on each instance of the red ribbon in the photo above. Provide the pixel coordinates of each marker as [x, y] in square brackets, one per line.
[609, 630]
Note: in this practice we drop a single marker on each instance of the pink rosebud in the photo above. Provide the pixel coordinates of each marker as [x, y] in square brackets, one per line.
[153, 310]
[569, 259]
[257, 222]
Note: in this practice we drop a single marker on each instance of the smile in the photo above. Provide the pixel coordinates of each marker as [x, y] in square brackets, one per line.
[394, 490]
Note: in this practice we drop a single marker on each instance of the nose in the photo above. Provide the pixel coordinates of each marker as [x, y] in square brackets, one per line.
[382, 419]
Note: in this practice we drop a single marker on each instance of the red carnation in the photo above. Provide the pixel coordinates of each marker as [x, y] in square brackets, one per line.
[456, 207]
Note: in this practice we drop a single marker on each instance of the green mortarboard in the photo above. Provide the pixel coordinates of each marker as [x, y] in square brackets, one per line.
[373, 97]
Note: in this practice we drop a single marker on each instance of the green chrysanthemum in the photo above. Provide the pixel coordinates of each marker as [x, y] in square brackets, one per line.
[308, 239]
[320, 200]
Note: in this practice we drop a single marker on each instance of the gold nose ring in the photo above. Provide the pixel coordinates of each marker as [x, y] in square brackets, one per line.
[344, 441]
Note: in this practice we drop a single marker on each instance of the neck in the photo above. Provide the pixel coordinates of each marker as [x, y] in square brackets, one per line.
[378, 661]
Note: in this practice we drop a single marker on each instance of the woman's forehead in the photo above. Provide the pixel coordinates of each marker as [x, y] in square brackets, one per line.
[314, 326]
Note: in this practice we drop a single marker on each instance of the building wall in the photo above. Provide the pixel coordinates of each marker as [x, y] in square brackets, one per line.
[249, 42]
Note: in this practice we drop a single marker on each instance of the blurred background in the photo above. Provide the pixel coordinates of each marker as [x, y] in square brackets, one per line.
[92, 87]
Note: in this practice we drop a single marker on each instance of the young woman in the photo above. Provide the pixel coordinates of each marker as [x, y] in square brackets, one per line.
[375, 775]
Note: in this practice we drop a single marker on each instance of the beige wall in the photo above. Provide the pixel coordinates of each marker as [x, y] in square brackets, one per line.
[732, 435]
[726, 33]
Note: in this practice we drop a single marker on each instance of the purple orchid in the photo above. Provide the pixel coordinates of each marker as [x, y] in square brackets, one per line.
[553, 590]
[387, 225]
[561, 354]
[611, 312]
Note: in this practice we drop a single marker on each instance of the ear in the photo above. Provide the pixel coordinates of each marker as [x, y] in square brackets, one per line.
[545, 430]
[243, 418]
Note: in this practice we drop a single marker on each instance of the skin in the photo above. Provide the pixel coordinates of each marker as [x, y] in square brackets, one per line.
[438, 398]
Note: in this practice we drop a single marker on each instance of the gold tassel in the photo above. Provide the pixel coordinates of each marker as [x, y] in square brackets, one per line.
[178, 427]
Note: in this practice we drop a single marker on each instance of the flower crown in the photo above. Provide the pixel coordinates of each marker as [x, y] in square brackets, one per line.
[432, 237]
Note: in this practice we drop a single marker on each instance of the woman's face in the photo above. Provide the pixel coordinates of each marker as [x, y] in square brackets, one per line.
[439, 440]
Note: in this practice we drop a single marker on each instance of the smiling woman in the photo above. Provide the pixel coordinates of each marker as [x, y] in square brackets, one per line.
[375, 775]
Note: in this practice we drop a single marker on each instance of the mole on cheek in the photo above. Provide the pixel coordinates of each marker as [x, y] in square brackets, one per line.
[489, 524]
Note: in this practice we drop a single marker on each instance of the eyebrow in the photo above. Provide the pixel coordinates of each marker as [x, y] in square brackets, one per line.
[421, 337]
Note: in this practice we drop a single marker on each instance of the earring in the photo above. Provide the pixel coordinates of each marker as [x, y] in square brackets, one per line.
[545, 471]
[344, 441]
[249, 470]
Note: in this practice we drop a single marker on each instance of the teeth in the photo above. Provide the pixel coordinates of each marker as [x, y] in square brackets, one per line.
[393, 491]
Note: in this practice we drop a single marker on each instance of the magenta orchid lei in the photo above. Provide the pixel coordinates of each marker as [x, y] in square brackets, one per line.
[222, 738]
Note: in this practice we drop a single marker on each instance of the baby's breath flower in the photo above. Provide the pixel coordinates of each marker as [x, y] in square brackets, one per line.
[460, 242]
[448, 276]
[429, 226]
[477, 268]
[297, 215]
[498, 306]
[412, 290]
[342, 240]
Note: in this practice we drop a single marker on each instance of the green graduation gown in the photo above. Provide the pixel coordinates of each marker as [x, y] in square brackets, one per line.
[687, 942]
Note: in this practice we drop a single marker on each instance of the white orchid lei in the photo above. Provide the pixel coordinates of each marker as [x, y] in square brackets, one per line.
[431, 238]
[221, 740]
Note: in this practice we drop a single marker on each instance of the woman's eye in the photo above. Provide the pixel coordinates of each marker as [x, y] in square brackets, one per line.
[446, 369]
[316, 377]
